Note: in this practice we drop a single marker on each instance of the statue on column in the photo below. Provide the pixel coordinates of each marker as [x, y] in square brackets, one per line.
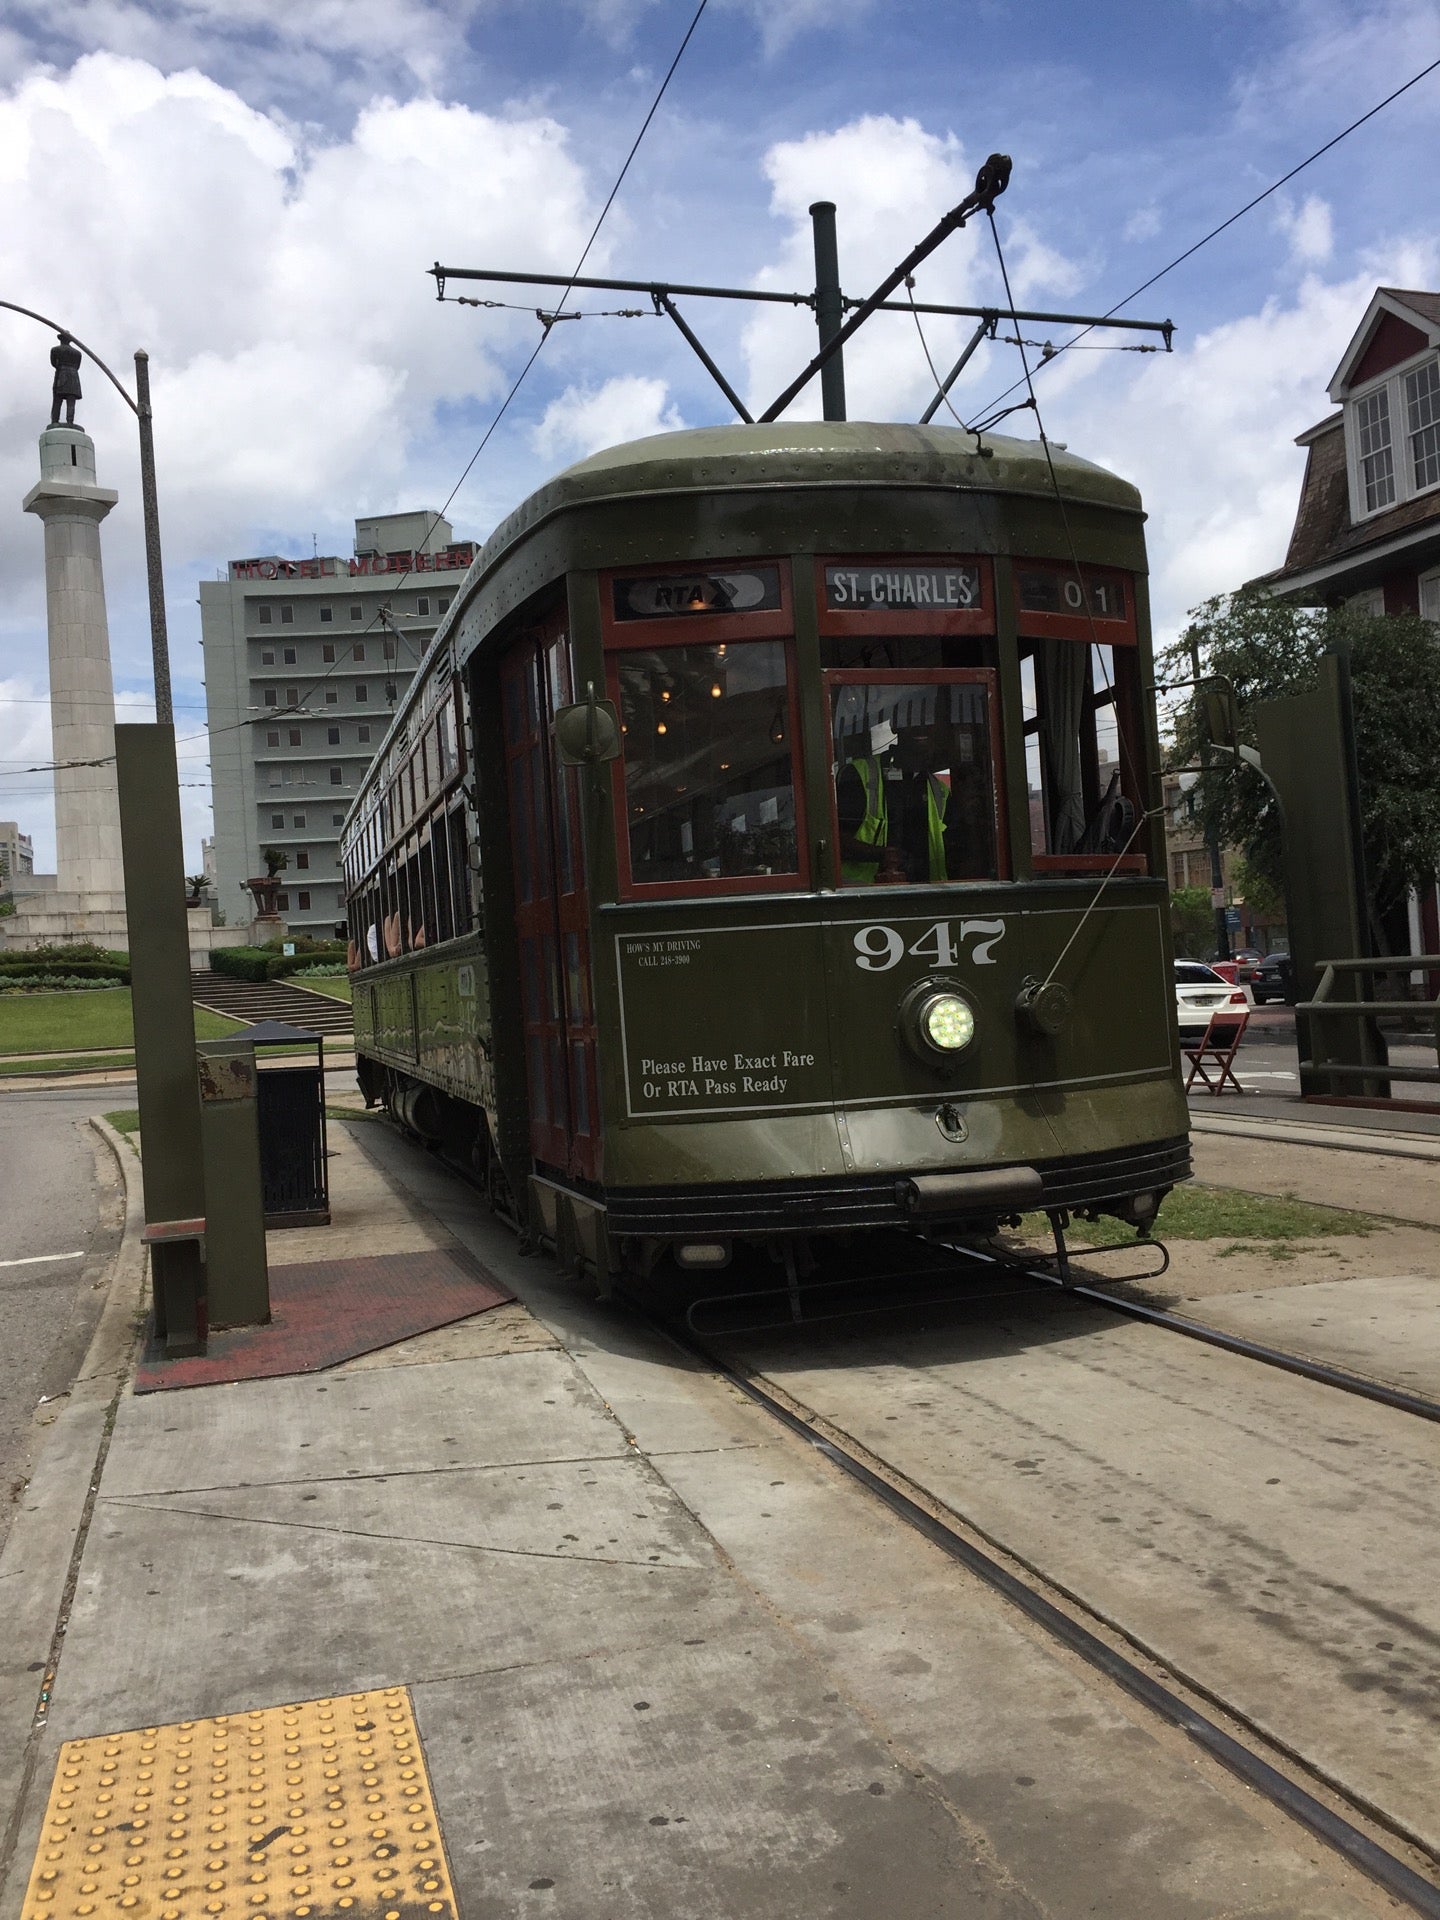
[65, 359]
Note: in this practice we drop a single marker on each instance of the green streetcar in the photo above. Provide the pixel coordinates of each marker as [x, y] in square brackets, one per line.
[767, 852]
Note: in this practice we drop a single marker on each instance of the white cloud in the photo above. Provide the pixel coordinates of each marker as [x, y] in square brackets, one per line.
[892, 180]
[299, 361]
[1208, 432]
[1309, 230]
[780, 22]
[583, 419]
[1143, 224]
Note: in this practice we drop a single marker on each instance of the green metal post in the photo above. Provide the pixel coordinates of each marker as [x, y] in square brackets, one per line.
[237, 1274]
[169, 1099]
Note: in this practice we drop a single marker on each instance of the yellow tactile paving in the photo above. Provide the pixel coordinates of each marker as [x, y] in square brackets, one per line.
[321, 1808]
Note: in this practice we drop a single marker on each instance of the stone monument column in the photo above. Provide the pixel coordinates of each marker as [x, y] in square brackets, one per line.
[89, 875]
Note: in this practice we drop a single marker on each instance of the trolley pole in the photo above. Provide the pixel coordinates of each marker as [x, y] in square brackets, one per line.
[829, 309]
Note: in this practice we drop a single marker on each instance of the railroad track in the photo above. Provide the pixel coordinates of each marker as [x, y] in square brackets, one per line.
[910, 1504]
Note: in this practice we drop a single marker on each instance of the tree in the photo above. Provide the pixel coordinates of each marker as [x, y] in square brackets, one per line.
[1266, 647]
[1192, 921]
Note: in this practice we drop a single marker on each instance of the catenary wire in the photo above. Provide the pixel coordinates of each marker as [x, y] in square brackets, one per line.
[1214, 233]
[297, 706]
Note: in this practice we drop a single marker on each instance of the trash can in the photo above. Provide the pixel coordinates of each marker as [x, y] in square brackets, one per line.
[293, 1170]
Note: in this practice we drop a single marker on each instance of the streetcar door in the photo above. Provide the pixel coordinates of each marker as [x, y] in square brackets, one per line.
[551, 908]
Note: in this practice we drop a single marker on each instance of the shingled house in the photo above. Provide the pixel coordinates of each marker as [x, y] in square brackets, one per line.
[1367, 531]
[1368, 526]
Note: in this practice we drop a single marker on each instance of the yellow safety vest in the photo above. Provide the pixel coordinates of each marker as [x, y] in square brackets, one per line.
[874, 829]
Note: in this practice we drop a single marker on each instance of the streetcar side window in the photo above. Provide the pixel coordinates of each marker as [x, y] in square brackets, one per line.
[1081, 756]
[709, 771]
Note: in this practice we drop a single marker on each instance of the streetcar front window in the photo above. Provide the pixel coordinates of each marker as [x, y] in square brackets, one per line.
[914, 779]
[1081, 768]
[709, 771]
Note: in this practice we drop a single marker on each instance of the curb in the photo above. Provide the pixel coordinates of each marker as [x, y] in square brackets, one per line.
[42, 1553]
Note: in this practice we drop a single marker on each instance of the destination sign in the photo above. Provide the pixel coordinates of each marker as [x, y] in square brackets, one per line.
[666, 596]
[891, 589]
[1057, 590]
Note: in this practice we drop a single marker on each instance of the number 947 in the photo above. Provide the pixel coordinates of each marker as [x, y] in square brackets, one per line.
[878, 948]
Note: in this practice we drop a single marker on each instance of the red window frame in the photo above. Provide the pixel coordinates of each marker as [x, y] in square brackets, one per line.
[903, 620]
[926, 676]
[1105, 629]
[705, 629]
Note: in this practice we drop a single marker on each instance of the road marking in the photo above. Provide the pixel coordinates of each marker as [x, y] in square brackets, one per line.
[39, 1259]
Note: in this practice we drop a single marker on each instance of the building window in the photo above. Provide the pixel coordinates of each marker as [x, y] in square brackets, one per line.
[290, 656]
[294, 736]
[362, 691]
[267, 656]
[327, 614]
[287, 616]
[282, 901]
[390, 691]
[304, 900]
[265, 615]
[277, 819]
[422, 605]
[337, 819]
[359, 650]
[1422, 419]
[337, 776]
[302, 859]
[443, 602]
[327, 653]
[363, 735]
[333, 736]
[1377, 461]
[1430, 596]
[297, 819]
[272, 738]
[332, 696]
[389, 649]
[269, 697]
[292, 696]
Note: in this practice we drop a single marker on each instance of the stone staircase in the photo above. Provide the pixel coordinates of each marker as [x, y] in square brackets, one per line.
[271, 1000]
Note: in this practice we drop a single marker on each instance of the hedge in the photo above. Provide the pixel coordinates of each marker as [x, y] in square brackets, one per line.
[48, 967]
[54, 982]
[257, 964]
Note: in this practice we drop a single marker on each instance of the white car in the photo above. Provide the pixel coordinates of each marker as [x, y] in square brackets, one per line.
[1199, 993]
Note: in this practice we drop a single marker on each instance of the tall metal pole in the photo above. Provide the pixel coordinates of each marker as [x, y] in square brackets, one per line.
[154, 573]
[1212, 843]
[829, 309]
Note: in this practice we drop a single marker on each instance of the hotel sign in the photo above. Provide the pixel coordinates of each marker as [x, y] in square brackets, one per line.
[449, 559]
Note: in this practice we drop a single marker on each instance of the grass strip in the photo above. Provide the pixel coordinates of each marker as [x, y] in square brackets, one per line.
[1193, 1212]
[124, 1120]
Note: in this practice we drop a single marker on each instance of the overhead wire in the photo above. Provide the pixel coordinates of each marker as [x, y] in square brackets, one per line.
[504, 407]
[1216, 231]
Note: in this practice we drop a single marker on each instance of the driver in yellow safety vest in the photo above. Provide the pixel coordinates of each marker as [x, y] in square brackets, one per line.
[892, 812]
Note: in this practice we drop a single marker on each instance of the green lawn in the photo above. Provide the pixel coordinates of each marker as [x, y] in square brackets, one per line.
[337, 985]
[74, 1022]
[1194, 1212]
[126, 1120]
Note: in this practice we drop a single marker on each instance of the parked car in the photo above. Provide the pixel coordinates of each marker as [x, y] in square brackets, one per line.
[1200, 992]
[1274, 979]
[1239, 969]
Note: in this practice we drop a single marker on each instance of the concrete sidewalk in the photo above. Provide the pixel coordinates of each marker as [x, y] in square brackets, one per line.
[529, 1615]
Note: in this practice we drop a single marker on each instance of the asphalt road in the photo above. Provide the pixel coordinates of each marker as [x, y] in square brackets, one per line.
[60, 1224]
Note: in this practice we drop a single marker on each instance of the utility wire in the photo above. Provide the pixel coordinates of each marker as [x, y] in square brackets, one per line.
[555, 314]
[1216, 231]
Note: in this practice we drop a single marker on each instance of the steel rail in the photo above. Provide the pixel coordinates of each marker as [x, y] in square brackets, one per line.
[1339, 1377]
[1376, 1862]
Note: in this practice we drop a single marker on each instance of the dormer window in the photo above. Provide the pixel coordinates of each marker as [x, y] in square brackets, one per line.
[1394, 438]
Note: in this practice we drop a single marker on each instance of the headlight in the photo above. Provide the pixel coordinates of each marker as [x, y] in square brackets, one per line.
[947, 1022]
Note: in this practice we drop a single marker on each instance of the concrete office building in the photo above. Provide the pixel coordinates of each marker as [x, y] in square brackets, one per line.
[302, 677]
[17, 855]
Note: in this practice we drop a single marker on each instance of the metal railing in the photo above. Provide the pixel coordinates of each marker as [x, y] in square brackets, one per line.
[1325, 1010]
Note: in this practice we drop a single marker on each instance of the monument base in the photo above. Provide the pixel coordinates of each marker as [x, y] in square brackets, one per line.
[60, 919]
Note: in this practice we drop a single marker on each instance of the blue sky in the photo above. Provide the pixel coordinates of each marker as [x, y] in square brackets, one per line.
[252, 189]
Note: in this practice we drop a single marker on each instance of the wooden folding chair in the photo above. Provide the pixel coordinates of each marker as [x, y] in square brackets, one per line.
[1219, 1045]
